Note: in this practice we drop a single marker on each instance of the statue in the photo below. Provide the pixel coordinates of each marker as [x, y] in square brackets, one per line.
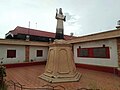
[59, 28]
[60, 65]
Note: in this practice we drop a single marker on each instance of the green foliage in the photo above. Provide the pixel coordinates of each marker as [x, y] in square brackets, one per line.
[119, 65]
[2, 71]
[3, 86]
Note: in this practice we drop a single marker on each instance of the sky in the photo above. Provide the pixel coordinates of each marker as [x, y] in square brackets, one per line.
[83, 17]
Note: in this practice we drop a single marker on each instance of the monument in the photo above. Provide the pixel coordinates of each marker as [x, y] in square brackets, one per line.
[60, 65]
[59, 28]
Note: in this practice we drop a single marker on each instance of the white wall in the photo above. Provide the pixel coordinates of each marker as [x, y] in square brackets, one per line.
[112, 62]
[33, 50]
[20, 53]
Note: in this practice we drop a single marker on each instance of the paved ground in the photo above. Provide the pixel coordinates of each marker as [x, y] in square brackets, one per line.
[28, 76]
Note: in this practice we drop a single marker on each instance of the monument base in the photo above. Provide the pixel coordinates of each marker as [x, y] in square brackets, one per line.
[61, 79]
[60, 65]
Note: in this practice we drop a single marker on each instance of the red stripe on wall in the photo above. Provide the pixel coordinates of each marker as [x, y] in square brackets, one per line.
[99, 68]
[24, 64]
[78, 52]
[108, 52]
[27, 53]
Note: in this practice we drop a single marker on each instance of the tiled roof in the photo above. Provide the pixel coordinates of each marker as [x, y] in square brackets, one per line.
[23, 30]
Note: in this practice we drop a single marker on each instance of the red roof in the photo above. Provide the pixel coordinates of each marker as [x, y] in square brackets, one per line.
[23, 30]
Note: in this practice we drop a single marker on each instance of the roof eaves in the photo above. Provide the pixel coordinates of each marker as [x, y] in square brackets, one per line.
[98, 36]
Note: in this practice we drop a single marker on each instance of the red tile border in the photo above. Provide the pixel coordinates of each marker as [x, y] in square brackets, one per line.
[24, 64]
[99, 68]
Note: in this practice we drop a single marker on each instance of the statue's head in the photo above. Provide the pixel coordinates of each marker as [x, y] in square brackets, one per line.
[60, 11]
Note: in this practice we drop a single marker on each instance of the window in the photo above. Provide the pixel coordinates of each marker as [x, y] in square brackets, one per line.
[95, 52]
[11, 53]
[99, 52]
[84, 52]
[39, 53]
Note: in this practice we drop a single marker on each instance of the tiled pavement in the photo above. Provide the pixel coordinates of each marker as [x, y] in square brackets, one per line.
[28, 76]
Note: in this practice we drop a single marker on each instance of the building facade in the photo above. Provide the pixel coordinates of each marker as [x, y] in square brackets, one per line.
[20, 51]
[100, 51]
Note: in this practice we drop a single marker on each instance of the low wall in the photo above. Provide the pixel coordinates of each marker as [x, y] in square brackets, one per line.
[86, 66]
[113, 70]
[24, 64]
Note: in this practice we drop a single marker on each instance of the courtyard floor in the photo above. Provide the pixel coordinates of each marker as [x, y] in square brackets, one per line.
[28, 76]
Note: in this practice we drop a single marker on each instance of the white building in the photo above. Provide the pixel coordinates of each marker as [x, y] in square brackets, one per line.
[19, 51]
[99, 51]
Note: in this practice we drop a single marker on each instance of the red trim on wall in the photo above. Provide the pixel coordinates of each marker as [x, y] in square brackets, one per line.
[27, 51]
[78, 52]
[90, 52]
[99, 68]
[108, 52]
[118, 73]
[24, 64]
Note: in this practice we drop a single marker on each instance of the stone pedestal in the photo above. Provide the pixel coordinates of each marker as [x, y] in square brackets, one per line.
[60, 65]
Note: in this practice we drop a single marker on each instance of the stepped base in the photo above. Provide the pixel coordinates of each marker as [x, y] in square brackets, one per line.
[60, 65]
[60, 79]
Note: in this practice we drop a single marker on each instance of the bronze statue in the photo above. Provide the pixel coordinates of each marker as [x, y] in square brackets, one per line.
[60, 28]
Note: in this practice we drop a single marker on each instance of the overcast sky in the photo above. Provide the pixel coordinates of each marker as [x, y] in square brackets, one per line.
[83, 16]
